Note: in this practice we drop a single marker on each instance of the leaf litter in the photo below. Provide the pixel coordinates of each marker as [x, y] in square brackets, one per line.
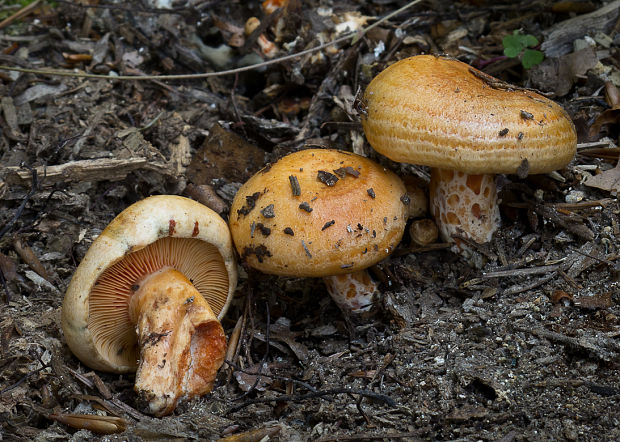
[452, 352]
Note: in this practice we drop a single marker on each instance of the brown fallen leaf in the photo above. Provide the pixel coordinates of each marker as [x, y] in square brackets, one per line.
[608, 180]
[8, 267]
[29, 257]
[608, 116]
[558, 74]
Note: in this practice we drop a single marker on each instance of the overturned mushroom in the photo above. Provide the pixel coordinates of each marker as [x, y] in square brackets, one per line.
[148, 295]
[323, 220]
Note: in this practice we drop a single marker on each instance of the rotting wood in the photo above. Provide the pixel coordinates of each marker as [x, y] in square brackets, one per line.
[104, 169]
[559, 40]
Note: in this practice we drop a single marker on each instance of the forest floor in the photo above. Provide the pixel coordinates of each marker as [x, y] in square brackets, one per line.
[524, 348]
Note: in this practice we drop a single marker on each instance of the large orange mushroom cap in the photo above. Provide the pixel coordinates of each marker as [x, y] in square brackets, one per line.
[443, 113]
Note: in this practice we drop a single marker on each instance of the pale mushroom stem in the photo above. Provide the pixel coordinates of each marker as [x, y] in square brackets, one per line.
[464, 205]
[182, 344]
[352, 292]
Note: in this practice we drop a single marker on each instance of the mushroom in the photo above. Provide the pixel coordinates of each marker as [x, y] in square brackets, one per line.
[467, 126]
[423, 232]
[268, 48]
[321, 213]
[148, 296]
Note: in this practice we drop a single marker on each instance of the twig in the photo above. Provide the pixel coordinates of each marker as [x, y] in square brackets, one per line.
[20, 14]
[584, 343]
[233, 100]
[523, 288]
[142, 10]
[263, 360]
[602, 390]
[522, 272]
[113, 402]
[317, 394]
[563, 221]
[272, 376]
[352, 35]
[480, 248]
[21, 381]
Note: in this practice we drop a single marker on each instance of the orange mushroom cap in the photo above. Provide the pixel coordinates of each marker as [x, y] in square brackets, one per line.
[318, 212]
[443, 113]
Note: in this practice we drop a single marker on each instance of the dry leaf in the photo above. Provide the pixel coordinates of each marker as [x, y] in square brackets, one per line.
[558, 74]
[8, 267]
[608, 180]
[609, 116]
[248, 381]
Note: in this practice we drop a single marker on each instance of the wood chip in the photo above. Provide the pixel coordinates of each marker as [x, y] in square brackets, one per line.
[329, 179]
[328, 224]
[348, 170]
[268, 212]
[303, 244]
[250, 203]
[305, 206]
[294, 185]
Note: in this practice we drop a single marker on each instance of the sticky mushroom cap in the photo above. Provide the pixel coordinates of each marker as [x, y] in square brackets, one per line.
[349, 213]
[194, 240]
[443, 113]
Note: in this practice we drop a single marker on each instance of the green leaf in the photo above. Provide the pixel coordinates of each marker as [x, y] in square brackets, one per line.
[511, 51]
[522, 40]
[531, 58]
[513, 44]
[530, 41]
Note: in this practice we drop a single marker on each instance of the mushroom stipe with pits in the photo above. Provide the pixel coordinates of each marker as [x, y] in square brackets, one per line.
[148, 297]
